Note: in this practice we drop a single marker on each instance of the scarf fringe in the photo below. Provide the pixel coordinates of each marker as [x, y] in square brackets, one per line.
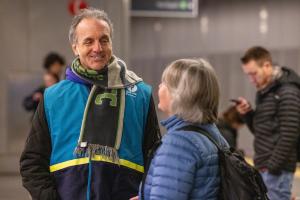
[92, 150]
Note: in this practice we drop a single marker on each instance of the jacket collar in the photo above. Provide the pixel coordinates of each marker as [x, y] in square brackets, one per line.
[174, 122]
[70, 75]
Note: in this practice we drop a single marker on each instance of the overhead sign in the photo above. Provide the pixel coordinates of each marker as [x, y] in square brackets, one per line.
[164, 8]
[75, 6]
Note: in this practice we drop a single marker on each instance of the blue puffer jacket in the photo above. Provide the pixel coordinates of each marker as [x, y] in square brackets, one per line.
[185, 166]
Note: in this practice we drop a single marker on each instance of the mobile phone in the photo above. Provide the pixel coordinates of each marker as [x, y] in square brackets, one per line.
[236, 101]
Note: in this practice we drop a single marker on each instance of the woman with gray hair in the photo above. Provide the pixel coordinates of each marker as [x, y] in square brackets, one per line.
[185, 166]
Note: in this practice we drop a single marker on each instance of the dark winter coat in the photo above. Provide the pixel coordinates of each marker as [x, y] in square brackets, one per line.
[275, 123]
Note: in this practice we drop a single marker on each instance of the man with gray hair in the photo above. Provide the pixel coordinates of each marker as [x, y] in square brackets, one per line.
[92, 132]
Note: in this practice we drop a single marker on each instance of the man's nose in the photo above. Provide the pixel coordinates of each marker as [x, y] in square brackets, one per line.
[97, 47]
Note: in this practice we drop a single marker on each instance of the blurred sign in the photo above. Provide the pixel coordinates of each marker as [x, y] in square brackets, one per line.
[164, 8]
[75, 6]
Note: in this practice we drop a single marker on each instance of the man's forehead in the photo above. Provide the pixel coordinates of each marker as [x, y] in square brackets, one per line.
[87, 24]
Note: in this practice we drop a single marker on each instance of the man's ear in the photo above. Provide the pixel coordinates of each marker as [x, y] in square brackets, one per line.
[267, 67]
[74, 48]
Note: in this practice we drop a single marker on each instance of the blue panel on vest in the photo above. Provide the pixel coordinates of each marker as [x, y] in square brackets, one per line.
[64, 106]
[137, 104]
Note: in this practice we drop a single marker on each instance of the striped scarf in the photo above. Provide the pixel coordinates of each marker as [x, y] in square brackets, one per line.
[102, 124]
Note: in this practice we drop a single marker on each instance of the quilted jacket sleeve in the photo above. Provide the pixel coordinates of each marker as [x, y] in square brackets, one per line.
[248, 119]
[173, 169]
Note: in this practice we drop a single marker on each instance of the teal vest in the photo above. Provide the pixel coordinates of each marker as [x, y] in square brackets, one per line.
[64, 107]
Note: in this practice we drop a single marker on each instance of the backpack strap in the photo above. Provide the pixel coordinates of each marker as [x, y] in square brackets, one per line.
[203, 132]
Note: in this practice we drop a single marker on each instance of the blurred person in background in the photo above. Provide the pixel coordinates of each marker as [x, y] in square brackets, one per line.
[91, 133]
[275, 120]
[229, 124]
[186, 166]
[31, 102]
[55, 64]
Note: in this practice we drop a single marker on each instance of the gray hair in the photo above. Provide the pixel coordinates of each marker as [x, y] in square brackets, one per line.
[88, 13]
[194, 88]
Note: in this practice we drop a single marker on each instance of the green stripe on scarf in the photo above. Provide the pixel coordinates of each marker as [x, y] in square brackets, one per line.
[102, 124]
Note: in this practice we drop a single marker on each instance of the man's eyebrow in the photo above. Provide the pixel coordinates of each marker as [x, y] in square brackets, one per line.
[105, 37]
[87, 39]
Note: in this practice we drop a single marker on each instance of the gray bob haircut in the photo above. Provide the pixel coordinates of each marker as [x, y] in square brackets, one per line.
[194, 88]
[88, 13]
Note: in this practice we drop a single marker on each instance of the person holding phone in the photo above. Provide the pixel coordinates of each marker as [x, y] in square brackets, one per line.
[275, 120]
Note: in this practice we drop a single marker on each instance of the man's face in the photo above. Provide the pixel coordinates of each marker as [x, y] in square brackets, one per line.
[258, 75]
[93, 43]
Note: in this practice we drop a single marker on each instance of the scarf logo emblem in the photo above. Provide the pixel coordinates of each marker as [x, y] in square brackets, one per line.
[110, 96]
[131, 91]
